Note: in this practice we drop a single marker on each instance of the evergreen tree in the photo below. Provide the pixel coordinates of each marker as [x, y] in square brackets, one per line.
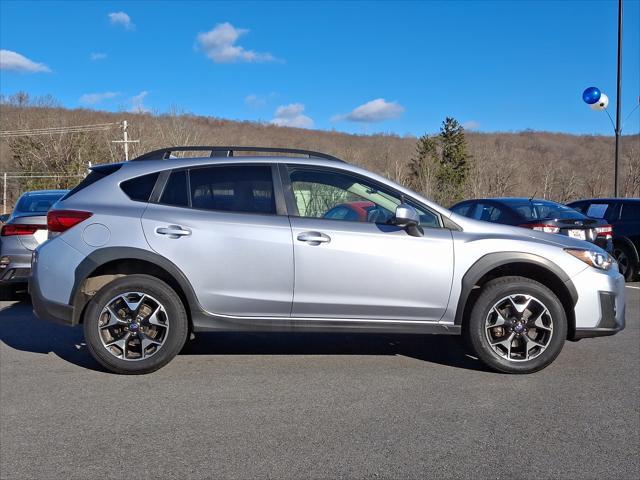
[453, 170]
[423, 165]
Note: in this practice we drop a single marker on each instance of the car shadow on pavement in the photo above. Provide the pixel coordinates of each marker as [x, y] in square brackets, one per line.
[21, 330]
[441, 349]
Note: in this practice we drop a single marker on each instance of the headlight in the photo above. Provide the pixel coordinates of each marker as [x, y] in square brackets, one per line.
[602, 261]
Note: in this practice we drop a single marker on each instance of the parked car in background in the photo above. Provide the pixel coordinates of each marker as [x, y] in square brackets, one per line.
[624, 215]
[540, 215]
[143, 253]
[23, 231]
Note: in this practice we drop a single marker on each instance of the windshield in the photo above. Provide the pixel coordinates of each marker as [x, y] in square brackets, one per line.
[540, 209]
[37, 203]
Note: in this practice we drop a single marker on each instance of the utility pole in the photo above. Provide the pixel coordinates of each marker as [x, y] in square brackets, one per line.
[125, 140]
[618, 102]
[4, 193]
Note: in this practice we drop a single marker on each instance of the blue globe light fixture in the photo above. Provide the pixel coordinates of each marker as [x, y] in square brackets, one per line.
[591, 95]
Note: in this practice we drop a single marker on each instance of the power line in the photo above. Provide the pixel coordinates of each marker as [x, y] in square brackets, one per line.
[58, 130]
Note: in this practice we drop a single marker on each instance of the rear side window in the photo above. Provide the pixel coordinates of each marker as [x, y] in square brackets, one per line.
[140, 188]
[97, 173]
[175, 192]
[464, 210]
[630, 211]
[596, 210]
[238, 188]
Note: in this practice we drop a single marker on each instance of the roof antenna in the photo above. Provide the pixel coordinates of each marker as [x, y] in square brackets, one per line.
[534, 194]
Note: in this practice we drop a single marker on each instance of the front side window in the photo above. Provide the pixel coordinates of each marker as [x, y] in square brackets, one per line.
[237, 188]
[340, 196]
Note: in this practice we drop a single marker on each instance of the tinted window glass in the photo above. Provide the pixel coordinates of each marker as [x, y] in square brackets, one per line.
[489, 213]
[541, 209]
[596, 210]
[340, 196]
[233, 188]
[175, 191]
[630, 211]
[140, 188]
[464, 210]
[37, 203]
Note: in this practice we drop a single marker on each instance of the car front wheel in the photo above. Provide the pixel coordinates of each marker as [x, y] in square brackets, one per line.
[517, 325]
[135, 324]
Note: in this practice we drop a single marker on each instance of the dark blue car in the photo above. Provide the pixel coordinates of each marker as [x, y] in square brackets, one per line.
[542, 215]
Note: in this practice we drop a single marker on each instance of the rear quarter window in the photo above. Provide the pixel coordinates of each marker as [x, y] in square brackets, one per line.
[140, 188]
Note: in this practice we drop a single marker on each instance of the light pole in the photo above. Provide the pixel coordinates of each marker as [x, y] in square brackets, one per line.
[599, 101]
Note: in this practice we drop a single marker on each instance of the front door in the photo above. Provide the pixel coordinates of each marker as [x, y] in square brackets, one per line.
[351, 263]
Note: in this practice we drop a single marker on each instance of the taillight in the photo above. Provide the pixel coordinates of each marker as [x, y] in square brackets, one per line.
[62, 220]
[18, 229]
[605, 231]
[541, 227]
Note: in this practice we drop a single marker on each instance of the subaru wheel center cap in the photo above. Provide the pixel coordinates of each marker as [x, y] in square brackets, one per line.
[134, 326]
[519, 328]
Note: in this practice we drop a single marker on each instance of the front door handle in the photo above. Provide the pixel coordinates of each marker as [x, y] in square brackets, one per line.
[314, 238]
[173, 231]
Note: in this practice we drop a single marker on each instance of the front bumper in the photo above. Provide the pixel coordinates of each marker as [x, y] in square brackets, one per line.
[600, 310]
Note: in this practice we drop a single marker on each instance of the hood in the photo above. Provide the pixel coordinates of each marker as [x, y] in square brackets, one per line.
[507, 231]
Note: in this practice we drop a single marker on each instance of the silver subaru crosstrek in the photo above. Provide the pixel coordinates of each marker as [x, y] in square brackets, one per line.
[145, 252]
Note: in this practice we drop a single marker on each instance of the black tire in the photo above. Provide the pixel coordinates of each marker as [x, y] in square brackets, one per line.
[626, 259]
[492, 293]
[175, 315]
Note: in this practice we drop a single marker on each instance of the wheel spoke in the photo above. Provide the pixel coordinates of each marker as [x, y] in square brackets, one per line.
[500, 320]
[114, 319]
[520, 307]
[153, 318]
[146, 341]
[531, 343]
[121, 343]
[538, 323]
[133, 306]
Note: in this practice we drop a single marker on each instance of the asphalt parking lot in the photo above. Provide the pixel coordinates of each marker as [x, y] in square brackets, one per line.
[316, 406]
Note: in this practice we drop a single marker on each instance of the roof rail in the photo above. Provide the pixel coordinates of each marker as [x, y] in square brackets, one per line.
[217, 151]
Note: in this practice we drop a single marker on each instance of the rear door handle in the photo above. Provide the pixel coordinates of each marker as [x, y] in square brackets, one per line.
[314, 238]
[173, 231]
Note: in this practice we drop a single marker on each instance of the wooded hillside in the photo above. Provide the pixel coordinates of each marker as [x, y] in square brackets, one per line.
[549, 165]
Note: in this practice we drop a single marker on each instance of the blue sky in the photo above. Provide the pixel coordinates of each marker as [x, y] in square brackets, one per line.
[360, 67]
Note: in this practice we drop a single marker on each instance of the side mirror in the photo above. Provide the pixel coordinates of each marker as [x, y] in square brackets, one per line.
[408, 218]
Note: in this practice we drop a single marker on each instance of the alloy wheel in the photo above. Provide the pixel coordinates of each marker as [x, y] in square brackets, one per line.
[519, 327]
[133, 326]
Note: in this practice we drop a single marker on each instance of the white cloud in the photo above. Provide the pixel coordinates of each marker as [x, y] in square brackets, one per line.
[137, 103]
[121, 19]
[292, 115]
[376, 110]
[258, 101]
[93, 98]
[19, 63]
[219, 44]
[97, 56]
[471, 125]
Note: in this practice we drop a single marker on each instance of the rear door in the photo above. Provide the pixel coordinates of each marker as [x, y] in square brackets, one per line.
[364, 268]
[220, 225]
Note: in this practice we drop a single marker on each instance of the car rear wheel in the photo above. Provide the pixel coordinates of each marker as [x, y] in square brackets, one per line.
[517, 325]
[626, 261]
[135, 324]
